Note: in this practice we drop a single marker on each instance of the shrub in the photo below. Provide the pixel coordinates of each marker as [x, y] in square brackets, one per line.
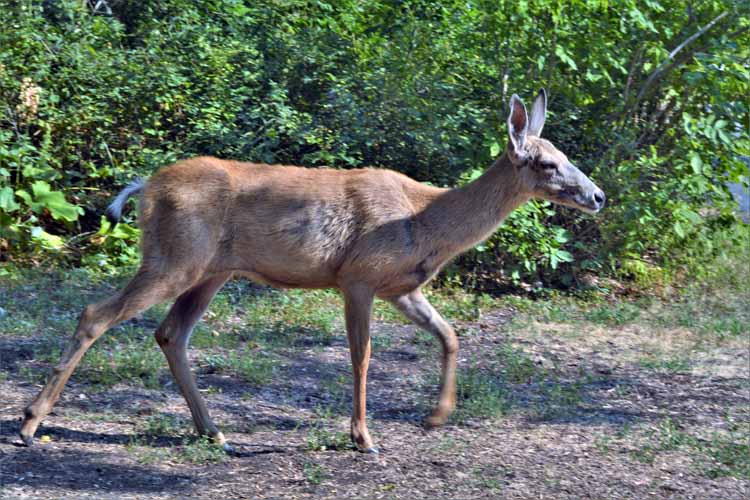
[89, 100]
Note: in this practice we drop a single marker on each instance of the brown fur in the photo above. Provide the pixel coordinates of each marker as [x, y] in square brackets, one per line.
[366, 232]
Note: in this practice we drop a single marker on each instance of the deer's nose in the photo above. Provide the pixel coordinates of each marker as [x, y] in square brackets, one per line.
[599, 198]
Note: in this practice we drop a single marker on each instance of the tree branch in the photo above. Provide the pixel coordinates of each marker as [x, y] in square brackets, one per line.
[664, 66]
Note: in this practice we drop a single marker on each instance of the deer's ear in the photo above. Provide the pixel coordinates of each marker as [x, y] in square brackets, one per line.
[538, 114]
[518, 123]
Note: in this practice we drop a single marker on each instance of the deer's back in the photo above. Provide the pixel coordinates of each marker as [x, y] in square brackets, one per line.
[288, 226]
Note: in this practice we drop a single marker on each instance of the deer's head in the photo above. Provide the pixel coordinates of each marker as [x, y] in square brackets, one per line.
[545, 172]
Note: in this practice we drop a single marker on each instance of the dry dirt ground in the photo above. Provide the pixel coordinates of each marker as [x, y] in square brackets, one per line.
[555, 410]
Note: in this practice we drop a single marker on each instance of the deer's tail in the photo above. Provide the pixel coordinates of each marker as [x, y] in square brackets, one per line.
[114, 210]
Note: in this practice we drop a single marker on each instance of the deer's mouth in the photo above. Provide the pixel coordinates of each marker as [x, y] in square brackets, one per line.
[574, 198]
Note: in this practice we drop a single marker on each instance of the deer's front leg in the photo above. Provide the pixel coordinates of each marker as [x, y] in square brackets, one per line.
[416, 307]
[358, 308]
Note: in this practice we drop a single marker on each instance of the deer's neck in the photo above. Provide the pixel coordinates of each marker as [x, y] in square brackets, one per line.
[462, 217]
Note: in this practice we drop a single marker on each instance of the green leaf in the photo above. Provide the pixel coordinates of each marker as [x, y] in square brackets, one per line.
[564, 256]
[26, 197]
[54, 201]
[45, 239]
[540, 62]
[696, 163]
[553, 261]
[7, 203]
[564, 57]
[678, 230]
[494, 149]
[692, 216]
[563, 236]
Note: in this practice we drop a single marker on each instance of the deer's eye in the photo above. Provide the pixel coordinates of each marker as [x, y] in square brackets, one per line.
[548, 165]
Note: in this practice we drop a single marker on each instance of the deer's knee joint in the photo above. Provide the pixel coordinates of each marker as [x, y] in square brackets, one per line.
[88, 314]
[450, 343]
[162, 337]
[29, 412]
[87, 324]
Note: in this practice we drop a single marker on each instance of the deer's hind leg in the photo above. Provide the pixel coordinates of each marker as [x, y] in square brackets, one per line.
[145, 290]
[416, 307]
[173, 335]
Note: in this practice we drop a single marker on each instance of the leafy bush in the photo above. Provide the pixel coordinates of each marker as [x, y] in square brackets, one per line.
[647, 97]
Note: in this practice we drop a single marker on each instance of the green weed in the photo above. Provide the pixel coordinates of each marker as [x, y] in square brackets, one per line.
[162, 425]
[725, 453]
[279, 317]
[314, 473]
[253, 367]
[516, 366]
[617, 314]
[130, 360]
[480, 394]
[457, 304]
[678, 364]
[321, 438]
[200, 450]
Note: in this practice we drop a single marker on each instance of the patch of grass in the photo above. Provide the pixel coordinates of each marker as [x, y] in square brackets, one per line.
[489, 391]
[200, 450]
[381, 342]
[725, 453]
[210, 334]
[253, 367]
[128, 354]
[603, 443]
[321, 438]
[130, 360]
[516, 366]
[728, 327]
[144, 453]
[559, 309]
[337, 390]
[490, 479]
[383, 311]
[493, 390]
[277, 317]
[560, 398]
[314, 473]
[33, 373]
[458, 305]
[674, 364]
[616, 314]
[480, 394]
[162, 425]
[424, 339]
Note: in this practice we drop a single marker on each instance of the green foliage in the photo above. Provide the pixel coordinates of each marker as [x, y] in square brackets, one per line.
[201, 450]
[89, 101]
[125, 361]
[321, 438]
[724, 453]
[250, 366]
[314, 473]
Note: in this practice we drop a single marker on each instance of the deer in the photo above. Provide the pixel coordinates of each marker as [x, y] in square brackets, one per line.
[367, 232]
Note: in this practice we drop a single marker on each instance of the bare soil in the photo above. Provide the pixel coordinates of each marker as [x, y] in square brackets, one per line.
[594, 444]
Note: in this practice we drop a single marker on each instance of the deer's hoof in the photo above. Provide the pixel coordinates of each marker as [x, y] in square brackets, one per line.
[434, 421]
[28, 441]
[371, 450]
[228, 449]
